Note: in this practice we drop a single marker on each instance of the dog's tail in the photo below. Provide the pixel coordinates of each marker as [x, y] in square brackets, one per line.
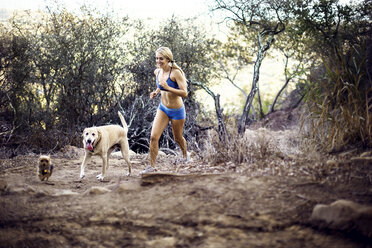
[125, 126]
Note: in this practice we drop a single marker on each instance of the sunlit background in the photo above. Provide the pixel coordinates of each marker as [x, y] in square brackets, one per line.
[157, 10]
[154, 12]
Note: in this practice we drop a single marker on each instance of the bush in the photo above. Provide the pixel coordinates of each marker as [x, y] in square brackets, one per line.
[338, 103]
[253, 146]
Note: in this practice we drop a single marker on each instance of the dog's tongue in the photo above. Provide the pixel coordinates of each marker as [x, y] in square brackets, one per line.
[90, 147]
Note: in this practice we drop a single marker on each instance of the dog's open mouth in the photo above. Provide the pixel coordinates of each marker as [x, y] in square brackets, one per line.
[89, 146]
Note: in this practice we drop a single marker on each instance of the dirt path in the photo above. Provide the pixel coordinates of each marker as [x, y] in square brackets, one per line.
[203, 206]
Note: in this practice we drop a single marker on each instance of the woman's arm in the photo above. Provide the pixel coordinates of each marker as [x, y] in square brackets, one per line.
[155, 92]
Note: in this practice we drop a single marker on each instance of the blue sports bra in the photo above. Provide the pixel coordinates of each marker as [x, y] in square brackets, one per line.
[170, 82]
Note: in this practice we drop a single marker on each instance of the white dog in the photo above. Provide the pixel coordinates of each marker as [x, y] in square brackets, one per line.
[102, 141]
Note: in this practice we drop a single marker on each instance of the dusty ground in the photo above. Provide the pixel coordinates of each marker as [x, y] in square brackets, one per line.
[222, 205]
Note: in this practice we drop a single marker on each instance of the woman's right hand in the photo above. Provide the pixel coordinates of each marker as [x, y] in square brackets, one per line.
[153, 94]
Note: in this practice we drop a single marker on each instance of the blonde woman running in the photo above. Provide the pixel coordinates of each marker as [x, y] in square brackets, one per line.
[171, 84]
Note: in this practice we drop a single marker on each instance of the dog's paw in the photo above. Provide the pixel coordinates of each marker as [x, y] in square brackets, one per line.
[100, 177]
[82, 175]
[128, 174]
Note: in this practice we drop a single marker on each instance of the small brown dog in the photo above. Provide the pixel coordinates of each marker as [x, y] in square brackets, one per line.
[44, 168]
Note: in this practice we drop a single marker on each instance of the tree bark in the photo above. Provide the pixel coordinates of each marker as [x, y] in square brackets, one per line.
[287, 79]
[222, 133]
[244, 120]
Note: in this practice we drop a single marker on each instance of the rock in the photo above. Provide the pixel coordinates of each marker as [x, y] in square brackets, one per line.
[162, 242]
[96, 191]
[117, 154]
[128, 186]
[22, 189]
[161, 154]
[344, 215]
[65, 192]
[72, 151]
[27, 189]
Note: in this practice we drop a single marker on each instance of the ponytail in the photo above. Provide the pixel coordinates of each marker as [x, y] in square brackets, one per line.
[174, 65]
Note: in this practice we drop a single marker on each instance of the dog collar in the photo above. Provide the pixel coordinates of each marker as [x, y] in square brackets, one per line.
[94, 145]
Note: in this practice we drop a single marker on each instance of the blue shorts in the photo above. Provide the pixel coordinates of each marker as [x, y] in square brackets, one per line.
[175, 114]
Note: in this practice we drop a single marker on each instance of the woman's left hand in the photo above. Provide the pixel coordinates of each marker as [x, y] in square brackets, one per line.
[164, 85]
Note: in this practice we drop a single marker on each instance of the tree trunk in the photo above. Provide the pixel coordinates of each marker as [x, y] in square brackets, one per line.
[244, 120]
[222, 132]
[221, 123]
[287, 79]
[260, 103]
[277, 96]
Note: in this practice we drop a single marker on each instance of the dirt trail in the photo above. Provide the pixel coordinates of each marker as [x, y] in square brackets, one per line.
[203, 206]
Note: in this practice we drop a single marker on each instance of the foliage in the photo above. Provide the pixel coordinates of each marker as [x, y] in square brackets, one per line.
[191, 50]
[339, 97]
[63, 69]
[266, 20]
[188, 42]
[339, 104]
[314, 32]
[62, 72]
[298, 61]
[253, 148]
[330, 26]
[233, 55]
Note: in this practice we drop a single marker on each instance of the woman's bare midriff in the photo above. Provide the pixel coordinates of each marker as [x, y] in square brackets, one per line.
[171, 100]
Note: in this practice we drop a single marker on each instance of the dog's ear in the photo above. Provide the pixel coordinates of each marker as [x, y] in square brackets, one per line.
[83, 132]
[99, 134]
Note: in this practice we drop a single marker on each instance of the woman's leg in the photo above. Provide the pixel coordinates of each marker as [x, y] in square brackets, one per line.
[160, 123]
[177, 127]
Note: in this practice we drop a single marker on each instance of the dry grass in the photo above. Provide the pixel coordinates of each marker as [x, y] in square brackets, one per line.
[340, 107]
[265, 152]
[255, 145]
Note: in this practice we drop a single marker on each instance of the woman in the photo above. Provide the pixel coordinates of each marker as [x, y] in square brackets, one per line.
[171, 83]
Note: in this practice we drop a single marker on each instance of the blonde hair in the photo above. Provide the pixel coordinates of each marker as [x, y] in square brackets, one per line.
[167, 53]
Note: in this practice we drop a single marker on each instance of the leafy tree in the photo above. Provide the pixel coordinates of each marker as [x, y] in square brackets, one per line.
[340, 92]
[295, 49]
[14, 91]
[92, 61]
[191, 50]
[62, 70]
[233, 56]
[330, 26]
[266, 19]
